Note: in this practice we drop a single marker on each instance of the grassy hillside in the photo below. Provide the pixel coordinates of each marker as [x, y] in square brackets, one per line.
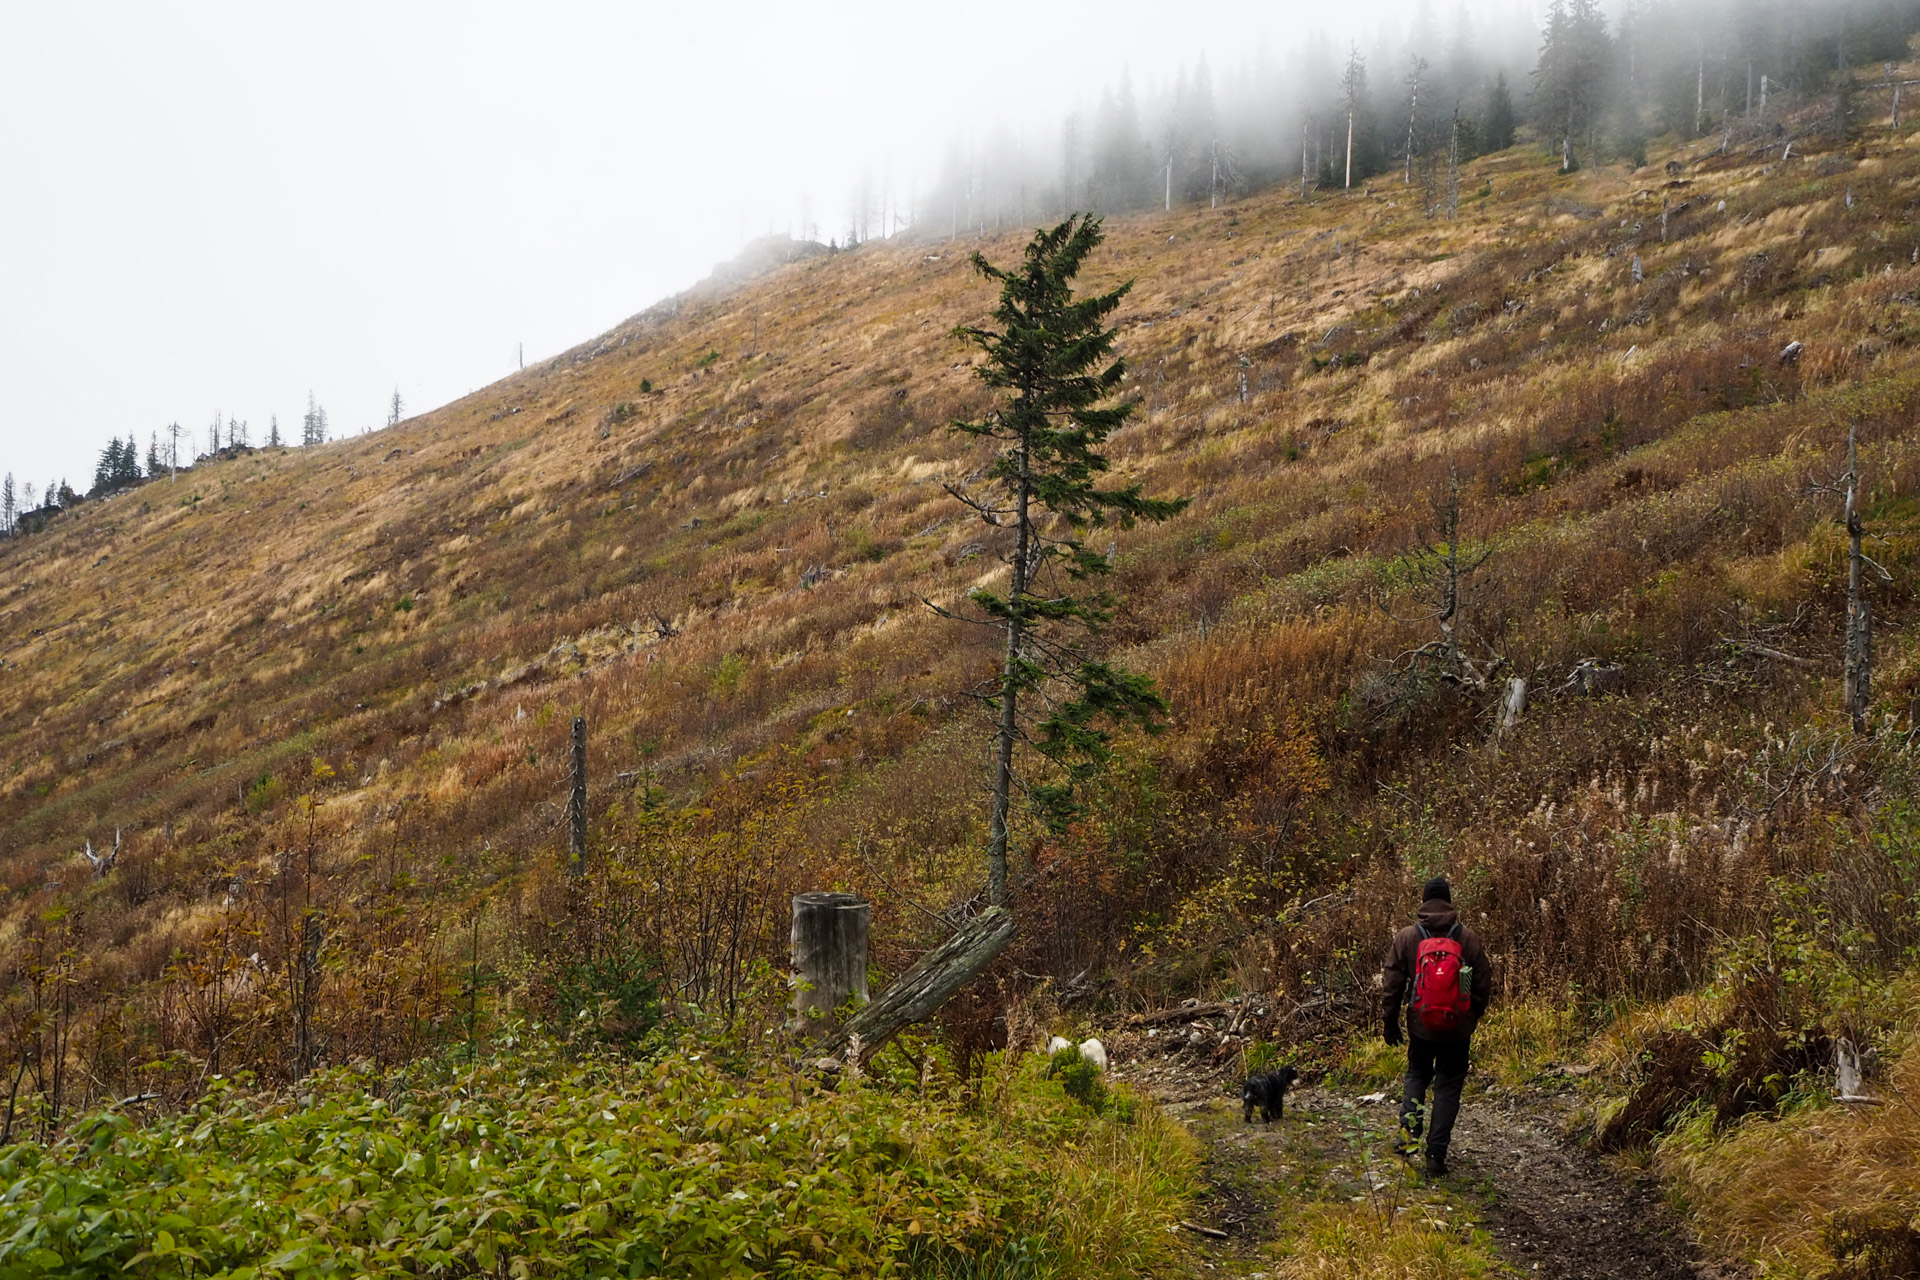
[324, 695]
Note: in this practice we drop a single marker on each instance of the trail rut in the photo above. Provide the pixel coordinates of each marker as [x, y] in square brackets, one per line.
[1552, 1209]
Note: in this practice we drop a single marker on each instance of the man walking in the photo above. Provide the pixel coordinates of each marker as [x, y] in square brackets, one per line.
[1437, 971]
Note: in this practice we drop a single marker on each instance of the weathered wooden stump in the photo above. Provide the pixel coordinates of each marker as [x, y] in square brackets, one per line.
[829, 952]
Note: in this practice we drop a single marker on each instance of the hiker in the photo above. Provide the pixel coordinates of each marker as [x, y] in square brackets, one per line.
[1438, 972]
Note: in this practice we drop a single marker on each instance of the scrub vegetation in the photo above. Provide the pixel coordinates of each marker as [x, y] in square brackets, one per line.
[318, 702]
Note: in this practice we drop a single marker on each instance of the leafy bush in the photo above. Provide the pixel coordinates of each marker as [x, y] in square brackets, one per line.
[1081, 1078]
[1260, 1056]
[534, 1165]
[617, 990]
[1778, 1001]
[265, 792]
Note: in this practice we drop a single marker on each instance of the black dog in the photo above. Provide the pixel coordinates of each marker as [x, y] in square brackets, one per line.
[1268, 1092]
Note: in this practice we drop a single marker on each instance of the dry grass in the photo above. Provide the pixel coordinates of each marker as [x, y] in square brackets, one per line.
[1354, 1242]
[372, 649]
[1775, 1190]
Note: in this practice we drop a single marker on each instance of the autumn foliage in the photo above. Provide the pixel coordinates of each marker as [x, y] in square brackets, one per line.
[324, 695]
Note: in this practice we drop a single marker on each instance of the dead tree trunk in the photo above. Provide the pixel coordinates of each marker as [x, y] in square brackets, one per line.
[1859, 638]
[1349, 182]
[829, 948]
[577, 804]
[1699, 89]
[927, 985]
[1453, 167]
[1513, 705]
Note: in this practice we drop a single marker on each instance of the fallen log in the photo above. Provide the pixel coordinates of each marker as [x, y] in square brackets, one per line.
[1211, 1233]
[921, 990]
[1778, 655]
[1184, 1014]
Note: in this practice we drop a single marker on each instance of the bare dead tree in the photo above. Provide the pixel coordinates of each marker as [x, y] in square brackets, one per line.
[1441, 567]
[1699, 86]
[1895, 84]
[1453, 166]
[103, 862]
[577, 801]
[1416, 81]
[1857, 646]
[1353, 82]
[1303, 159]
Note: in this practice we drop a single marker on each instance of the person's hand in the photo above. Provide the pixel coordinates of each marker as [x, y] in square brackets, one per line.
[1392, 1031]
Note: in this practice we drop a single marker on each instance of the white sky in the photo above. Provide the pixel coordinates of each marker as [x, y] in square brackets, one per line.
[221, 206]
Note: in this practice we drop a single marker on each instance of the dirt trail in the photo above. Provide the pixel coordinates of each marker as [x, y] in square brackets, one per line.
[1559, 1212]
[1554, 1211]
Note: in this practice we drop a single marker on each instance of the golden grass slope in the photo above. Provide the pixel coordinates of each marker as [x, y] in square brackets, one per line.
[725, 574]
[158, 639]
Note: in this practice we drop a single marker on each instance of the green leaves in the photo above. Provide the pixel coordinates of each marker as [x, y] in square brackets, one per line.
[536, 1166]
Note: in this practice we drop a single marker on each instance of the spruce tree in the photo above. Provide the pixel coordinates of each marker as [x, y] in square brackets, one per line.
[313, 428]
[118, 467]
[1052, 367]
[1570, 81]
[1500, 116]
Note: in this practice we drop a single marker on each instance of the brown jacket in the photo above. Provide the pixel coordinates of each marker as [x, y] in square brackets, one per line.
[1396, 978]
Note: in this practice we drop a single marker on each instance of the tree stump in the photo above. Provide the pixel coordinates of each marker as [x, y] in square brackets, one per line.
[829, 952]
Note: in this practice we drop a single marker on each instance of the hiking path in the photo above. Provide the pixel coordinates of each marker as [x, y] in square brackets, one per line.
[1534, 1198]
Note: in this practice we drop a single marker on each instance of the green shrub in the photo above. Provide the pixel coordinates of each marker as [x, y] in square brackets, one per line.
[1082, 1079]
[695, 1163]
[613, 993]
[264, 792]
[1260, 1056]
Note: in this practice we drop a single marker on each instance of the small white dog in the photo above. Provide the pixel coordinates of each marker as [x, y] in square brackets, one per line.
[1091, 1050]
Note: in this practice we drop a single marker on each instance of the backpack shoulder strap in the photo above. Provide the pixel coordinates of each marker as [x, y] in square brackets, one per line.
[1454, 932]
[1424, 932]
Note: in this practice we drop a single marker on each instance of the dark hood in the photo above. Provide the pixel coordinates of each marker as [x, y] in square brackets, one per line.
[1438, 916]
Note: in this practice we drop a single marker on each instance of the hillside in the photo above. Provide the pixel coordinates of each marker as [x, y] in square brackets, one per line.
[324, 695]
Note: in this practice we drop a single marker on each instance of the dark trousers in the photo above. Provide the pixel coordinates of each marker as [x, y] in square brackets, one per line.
[1441, 1065]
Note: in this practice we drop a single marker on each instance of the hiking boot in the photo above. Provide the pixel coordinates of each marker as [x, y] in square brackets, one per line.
[1436, 1165]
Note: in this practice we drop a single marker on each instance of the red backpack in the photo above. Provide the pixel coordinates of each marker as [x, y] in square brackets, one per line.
[1439, 1001]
